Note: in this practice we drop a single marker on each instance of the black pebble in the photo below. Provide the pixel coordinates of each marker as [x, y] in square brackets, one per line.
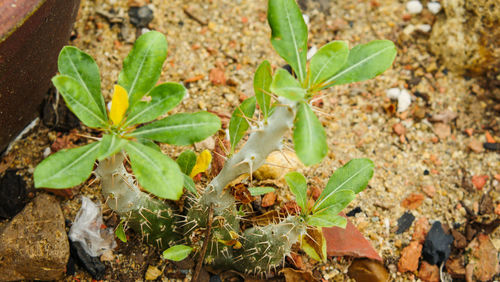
[437, 245]
[492, 146]
[93, 265]
[404, 222]
[140, 16]
[13, 194]
[354, 211]
[426, 172]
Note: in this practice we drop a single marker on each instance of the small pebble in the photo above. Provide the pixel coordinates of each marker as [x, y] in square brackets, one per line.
[414, 7]
[404, 222]
[424, 27]
[437, 245]
[434, 7]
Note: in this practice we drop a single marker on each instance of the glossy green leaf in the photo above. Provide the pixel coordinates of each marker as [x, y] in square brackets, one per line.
[327, 61]
[186, 161]
[110, 145]
[189, 184]
[335, 203]
[353, 176]
[285, 85]
[365, 61]
[309, 137]
[164, 97]
[257, 191]
[238, 125]
[298, 185]
[79, 102]
[180, 129]
[120, 232]
[261, 86]
[66, 168]
[289, 34]
[142, 67]
[327, 220]
[82, 67]
[177, 252]
[156, 172]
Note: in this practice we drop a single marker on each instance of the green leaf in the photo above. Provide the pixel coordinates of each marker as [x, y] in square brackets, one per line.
[82, 67]
[238, 125]
[261, 86]
[120, 232]
[285, 85]
[110, 145]
[189, 184]
[78, 101]
[186, 161]
[289, 34]
[298, 185]
[177, 252]
[150, 143]
[180, 129]
[257, 191]
[66, 168]
[309, 137]
[156, 172]
[142, 67]
[353, 176]
[327, 220]
[328, 61]
[336, 203]
[164, 97]
[365, 61]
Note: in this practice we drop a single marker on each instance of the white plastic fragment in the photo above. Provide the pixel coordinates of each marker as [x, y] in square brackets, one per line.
[434, 7]
[403, 97]
[424, 27]
[86, 229]
[414, 7]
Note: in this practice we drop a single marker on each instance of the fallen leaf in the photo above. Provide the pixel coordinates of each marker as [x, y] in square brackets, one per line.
[241, 193]
[368, 270]
[266, 218]
[413, 201]
[202, 163]
[292, 275]
[268, 200]
[219, 156]
[348, 242]
[455, 266]
[152, 273]
[484, 259]
[290, 208]
[296, 260]
[314, 244]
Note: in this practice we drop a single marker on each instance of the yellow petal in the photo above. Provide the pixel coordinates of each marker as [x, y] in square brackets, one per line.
[119, 104]
[202, 163]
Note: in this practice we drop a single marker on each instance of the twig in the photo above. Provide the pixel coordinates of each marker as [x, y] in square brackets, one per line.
[193, 17]
[197, 270]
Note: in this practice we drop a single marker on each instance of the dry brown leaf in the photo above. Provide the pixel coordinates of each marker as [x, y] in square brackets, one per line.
[292, 275]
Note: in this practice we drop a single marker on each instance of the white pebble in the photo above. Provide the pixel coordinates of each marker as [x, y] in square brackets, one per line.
[434, 7]
[46, 152]
[414, 7]
[393, 93]
[404, 100]
[403, 97]
[424, 27]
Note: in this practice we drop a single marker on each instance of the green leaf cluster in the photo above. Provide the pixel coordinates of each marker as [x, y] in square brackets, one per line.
[333, 64]
[341, 189]
[80, 86]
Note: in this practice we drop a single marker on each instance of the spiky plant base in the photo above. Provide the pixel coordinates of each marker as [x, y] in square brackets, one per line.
[265, 248]
[150, 217]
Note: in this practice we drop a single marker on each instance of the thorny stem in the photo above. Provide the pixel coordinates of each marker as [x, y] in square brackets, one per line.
[259, 145]
[205, 244]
